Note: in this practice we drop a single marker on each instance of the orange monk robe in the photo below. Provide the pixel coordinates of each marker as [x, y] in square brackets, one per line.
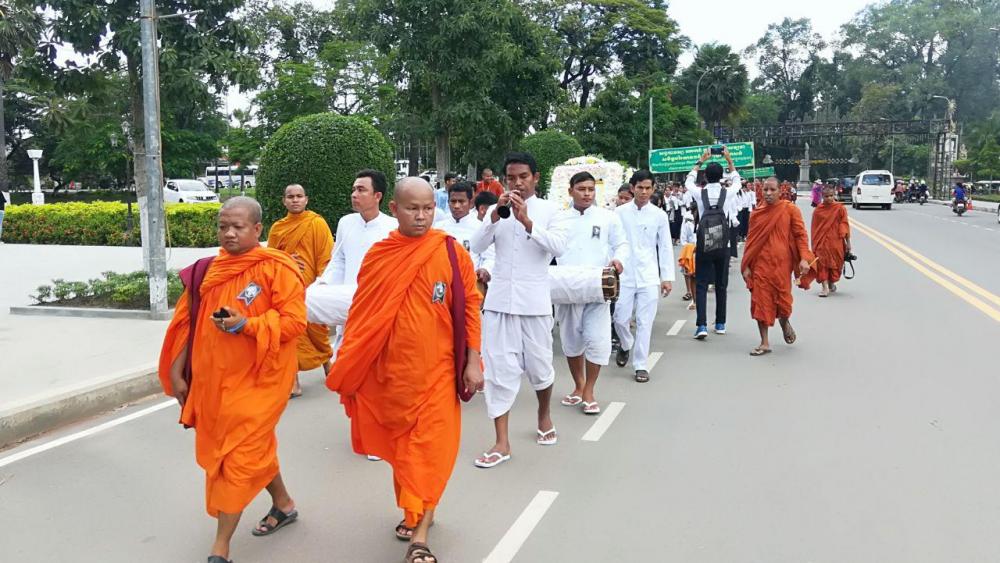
[829, 229]
[396, 369]
[775, 245]
[307, 235]
[240, 383]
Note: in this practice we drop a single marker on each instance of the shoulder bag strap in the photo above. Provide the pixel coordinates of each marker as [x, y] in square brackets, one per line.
[198, 271]
[458, 320]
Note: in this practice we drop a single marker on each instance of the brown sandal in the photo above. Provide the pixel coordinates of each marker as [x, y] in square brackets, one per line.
[419, 551]
[403, 532]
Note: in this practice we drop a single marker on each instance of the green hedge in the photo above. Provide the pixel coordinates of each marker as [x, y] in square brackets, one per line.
[111, 290]
[104, 224]
[323, 152]
[550, 149]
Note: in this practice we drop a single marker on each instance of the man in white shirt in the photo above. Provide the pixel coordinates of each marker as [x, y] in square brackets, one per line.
[517, 313]
[748, 200]
[649, 275]
[713, 268]
[596, 239]
[356, 233]
[461, 224]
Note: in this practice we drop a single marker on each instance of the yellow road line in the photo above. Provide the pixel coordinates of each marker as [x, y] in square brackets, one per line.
[891, 246]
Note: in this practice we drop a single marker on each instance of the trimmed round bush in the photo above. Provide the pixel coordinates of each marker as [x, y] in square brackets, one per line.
[324, 153]
[104, 224]
[550, 148]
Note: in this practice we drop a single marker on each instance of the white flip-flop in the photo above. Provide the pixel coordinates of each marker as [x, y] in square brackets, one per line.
[571, 400]
[591, 408]
[373, 458]
[493, 459]
[550, 442]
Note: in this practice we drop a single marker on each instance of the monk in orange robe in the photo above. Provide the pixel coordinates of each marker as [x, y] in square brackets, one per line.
[306, 237]
[831, 240]
[396, 370]
[777, 247]
[233, 377]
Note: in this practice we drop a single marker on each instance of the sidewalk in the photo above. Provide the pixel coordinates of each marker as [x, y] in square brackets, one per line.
[55, 370]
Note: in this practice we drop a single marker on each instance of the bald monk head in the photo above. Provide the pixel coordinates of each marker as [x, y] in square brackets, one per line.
[829, 193]
[772, 191]
[239, 225]
[413, 206]
[295, 199]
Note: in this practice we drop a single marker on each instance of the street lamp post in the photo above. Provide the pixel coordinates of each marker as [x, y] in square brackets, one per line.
[697, 91]
[37, 197]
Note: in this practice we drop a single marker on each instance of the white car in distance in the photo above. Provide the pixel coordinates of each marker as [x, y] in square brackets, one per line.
[188, 191]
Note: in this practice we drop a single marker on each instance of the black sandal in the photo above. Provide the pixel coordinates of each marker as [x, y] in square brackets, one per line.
[280, 518]
[218, 559]
[401, 530]
[687, 297]
[419, 551]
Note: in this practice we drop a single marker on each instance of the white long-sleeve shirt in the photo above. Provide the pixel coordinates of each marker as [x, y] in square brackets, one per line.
[688, 235]
[354, 238]
[730, 207]
[651, 250]
[747, 199]
[463, 230]
[596, 237]
[520, 276]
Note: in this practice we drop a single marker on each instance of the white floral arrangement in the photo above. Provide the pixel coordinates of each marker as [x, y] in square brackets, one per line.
[609, 177]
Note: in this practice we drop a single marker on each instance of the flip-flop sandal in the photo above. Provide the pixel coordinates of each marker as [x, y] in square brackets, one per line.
[571, 400]
[419, 551]
[591, 408]
[493, 459]
[295, 395]
[402, 528]
[789, 335]
[218, 559]
[687, 297]
[760, 351]
[542, 441]
[281, 520]
[824, 294]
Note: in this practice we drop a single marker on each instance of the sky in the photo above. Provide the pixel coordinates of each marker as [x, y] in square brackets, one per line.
[737, 23]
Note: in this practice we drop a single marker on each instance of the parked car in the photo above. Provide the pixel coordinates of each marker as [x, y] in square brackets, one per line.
[844, 186]
[188, 191]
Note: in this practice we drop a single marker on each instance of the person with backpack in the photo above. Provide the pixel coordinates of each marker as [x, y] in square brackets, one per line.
[718, 212]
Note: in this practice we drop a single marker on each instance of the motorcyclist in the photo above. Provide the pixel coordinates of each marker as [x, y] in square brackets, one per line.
[958, 194]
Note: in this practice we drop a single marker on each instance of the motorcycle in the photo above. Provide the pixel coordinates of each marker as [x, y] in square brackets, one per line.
[922, 198]
[958, 207]
[898, 197]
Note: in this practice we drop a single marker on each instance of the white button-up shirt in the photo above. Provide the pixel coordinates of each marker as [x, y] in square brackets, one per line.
[520, 276]
[730, 207]
[747, 199]
[651, 250]
[596, 236]
[463, 230]
[354, 238]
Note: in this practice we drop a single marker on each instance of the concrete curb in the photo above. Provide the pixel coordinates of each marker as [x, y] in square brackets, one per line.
[35, 415]
[977, 207]
[84, 312]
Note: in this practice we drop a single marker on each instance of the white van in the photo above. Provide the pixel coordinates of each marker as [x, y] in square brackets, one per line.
[873, 187]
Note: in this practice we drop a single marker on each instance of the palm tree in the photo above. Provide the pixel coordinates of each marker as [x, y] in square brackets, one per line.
[20, 28]
[723, 85]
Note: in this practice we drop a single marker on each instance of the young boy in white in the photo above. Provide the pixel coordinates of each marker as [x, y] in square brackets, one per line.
[596, 238]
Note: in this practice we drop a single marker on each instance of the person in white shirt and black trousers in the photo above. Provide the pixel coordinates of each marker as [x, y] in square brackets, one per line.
[712, 261]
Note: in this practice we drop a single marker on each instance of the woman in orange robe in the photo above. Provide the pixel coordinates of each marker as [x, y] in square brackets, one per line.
[396, 369]
[777, 247]
[831, 240]
[240, 372]
[305, 236]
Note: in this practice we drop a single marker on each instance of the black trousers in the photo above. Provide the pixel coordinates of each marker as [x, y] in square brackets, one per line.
[734, 234]
[744, 219]
[709, 270]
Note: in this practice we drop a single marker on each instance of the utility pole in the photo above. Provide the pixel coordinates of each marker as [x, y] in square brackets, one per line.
[651, 123]
[156, 238]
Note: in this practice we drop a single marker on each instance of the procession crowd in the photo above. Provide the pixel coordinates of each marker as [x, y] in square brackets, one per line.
[457, 292]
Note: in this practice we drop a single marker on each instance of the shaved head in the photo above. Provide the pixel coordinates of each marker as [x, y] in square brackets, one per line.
[413, 205]
[295, 200]
[242, 202]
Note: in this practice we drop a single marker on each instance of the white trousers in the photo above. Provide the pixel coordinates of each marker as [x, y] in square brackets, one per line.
[585, 330]
[514, 345]
[643, 301]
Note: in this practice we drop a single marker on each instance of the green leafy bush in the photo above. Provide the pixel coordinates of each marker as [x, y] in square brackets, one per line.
[111, 290]
[323, 152]
[105, 224]
[550, 148]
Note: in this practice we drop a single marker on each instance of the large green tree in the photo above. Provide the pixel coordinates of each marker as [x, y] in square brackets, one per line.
[723, 83]
[20, 29]
[783, 55]
[468, 70]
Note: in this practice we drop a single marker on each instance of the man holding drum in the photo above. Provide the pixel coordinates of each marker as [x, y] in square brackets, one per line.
[650, 273]
[597, 240]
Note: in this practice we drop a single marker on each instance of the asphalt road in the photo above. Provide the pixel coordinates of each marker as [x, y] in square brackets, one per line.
[869, 440]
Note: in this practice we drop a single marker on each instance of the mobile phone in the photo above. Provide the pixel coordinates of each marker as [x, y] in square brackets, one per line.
[718, 150]
[221, 314]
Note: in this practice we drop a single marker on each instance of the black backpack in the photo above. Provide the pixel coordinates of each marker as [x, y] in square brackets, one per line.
[713, 227]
